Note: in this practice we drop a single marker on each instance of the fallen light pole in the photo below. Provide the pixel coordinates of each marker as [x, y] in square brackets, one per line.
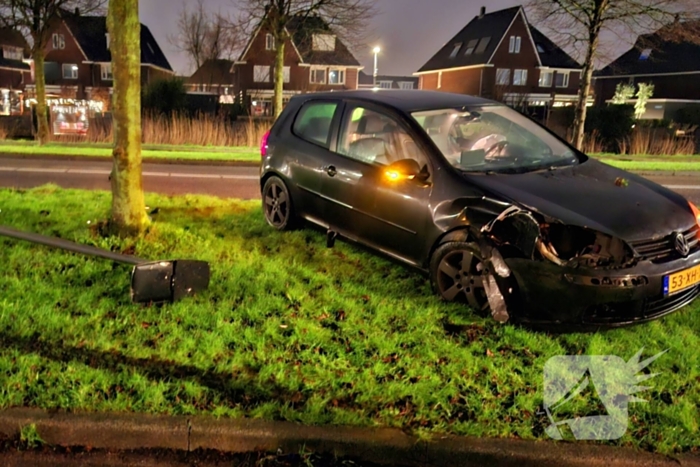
[151, 281]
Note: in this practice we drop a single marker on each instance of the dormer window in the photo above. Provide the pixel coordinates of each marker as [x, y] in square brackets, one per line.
[324, 42]
[455, 50]
[471, 45]
[540, 49]
[645, 54]
[483, 43]
[12, 53]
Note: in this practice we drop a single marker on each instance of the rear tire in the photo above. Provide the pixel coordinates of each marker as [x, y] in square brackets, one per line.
[277, 204]
[457, 274]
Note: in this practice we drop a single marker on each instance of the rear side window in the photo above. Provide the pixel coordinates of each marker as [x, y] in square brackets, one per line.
[313, 123]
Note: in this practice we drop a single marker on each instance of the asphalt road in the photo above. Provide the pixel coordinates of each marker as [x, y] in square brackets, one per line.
[175, 179]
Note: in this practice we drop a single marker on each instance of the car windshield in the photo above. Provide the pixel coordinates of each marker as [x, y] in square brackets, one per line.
[493, 139]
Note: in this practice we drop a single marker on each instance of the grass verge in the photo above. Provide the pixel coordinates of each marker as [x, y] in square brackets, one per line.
[291, 330]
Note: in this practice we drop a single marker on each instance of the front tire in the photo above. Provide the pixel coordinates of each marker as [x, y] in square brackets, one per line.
[457, 275]
[278, 206]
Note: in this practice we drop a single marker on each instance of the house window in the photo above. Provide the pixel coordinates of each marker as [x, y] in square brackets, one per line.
[323, 42]
[540, 49]
[561, 80]
[70, 71]
[58, 41]
[406, 85]
[261, 74]
[107, 39]
[546, 78]
[269, 42]
[483, 43]
[336, 76]
[455, 50]
[286, 73]
[12, 53]
[386, 84]
[645, 54]
[514, 45]
[471, 45]
[503, 76]
[106, 71]
[519, 77]
[318, 76]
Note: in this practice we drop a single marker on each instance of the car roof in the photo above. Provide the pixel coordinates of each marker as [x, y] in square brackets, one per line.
[404, 100]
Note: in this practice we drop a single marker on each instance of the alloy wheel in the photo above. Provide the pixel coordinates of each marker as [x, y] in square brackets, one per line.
[276, 205]
[459, 278]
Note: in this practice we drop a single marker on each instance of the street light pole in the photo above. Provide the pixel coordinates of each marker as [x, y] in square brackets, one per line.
[376, 51]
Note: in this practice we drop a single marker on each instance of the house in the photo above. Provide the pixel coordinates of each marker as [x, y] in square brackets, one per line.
[315, 59]
[78, 65]
[673, 67]
[214, 77]
[387, 82]
[15, 72]
[500, 56]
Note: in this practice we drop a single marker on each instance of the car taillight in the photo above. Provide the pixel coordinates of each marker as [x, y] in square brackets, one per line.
[263, 144]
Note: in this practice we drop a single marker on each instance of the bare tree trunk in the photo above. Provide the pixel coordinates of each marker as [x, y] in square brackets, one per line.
[279, 78]
[128, 205]
[41, 110]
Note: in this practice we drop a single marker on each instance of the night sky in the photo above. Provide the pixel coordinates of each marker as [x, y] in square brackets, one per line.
[409, 31]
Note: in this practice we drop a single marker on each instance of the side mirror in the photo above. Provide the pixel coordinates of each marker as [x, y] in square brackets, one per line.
[405, 169]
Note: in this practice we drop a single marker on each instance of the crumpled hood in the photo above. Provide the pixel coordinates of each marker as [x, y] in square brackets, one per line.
[587, 195]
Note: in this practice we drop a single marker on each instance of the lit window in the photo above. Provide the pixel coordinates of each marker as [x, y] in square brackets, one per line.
[269, 42]
[514, 45]
[323, 42]
[406, 85]
[503, 76]
[546, 78]
[561, 79]
[58, 41]
[455, 50]
[386, 84]
[70, 71]
[261, 74]
[471, 45]
[12, 53]
[336, 76]
[645, 54]
[106, 71]
[318, 76]
[519, 77]
[483, 43]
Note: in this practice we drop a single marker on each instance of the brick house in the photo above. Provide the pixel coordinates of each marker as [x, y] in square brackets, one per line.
[315, 59]
[673, 67]
[214, 77]
[78, 64]
[15, 72]
[501, 56]
[387, 82]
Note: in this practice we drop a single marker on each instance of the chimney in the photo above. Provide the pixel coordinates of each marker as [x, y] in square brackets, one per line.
[482, 12]
[77, 11]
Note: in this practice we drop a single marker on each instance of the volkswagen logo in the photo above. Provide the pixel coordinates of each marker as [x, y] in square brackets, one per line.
[681, 244]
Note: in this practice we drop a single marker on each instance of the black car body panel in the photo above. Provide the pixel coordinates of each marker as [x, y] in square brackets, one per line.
[516, 217]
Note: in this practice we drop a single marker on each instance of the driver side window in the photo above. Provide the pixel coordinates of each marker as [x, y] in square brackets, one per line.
[376, 138]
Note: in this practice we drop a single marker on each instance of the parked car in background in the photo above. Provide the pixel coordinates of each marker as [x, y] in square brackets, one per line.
[502, 214]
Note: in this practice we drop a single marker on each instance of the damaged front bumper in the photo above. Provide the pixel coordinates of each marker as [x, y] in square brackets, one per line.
[554, 295]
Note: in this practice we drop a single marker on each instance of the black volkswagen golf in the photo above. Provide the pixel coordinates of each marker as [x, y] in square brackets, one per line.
[502, 214]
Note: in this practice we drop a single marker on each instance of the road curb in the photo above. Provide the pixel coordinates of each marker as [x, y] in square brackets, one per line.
[147, 160]
[378, 445]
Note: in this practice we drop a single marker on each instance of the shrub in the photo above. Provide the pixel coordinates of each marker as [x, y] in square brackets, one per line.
[165, 96]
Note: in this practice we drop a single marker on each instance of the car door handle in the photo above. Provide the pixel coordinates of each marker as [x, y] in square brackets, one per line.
[330, 170]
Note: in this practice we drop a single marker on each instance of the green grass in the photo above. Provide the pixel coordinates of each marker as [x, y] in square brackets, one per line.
[647, 162]
[290, 330]
[238, 153]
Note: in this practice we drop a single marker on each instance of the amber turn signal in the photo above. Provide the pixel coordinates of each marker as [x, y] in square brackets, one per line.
[696, 212]
[395, 176]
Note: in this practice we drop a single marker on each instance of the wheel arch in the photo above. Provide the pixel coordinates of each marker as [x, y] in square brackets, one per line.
[457, 234]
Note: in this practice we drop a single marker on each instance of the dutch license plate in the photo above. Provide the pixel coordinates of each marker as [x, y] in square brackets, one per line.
[681, 280]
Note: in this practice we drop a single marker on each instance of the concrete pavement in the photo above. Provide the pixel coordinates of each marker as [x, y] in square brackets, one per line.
[226, 181]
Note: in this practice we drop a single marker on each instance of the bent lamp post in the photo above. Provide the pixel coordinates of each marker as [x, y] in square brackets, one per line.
[151, 281]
